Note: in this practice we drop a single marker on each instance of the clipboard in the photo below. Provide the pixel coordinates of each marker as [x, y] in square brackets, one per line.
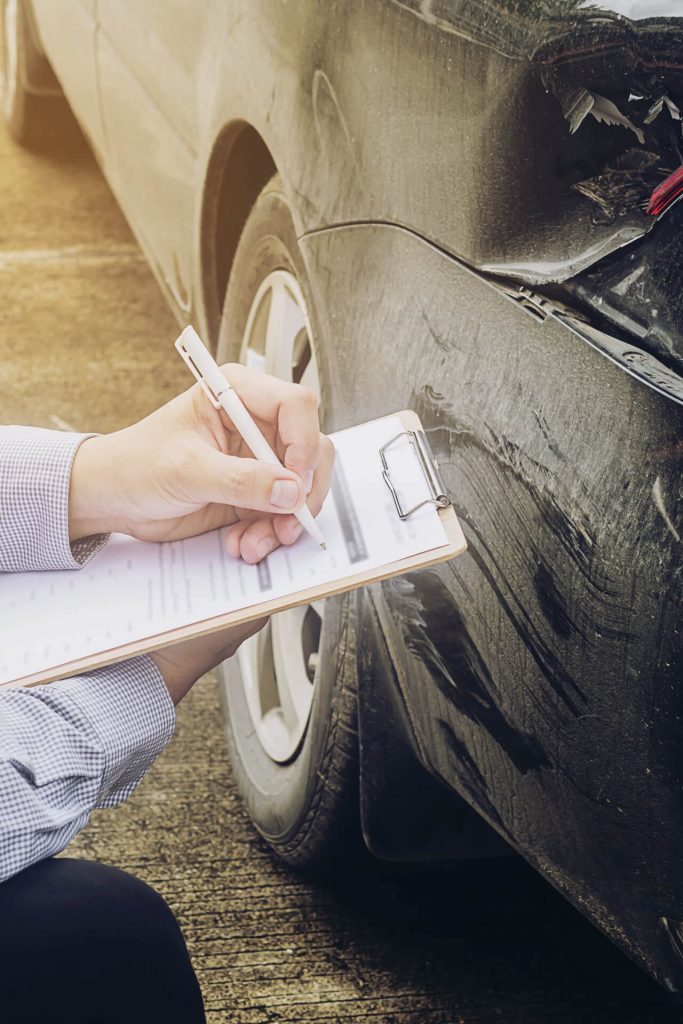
[435, 495]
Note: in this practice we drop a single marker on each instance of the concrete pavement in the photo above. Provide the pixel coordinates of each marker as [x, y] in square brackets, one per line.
[86, 343]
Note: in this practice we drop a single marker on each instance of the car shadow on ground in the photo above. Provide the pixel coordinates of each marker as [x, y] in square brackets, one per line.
[499, 940]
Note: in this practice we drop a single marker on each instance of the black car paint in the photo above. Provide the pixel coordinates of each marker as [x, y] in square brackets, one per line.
[541, 670]
[540, 673]
[405, 816]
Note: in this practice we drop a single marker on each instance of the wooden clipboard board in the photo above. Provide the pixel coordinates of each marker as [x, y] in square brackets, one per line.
[455, 545]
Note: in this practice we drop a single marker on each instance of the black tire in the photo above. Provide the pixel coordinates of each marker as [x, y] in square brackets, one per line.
[307, 809]
[35, 112]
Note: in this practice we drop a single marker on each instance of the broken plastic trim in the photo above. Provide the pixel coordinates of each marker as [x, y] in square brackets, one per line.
[539, 307]
[639, 364]
[645, 367]
[633, 227]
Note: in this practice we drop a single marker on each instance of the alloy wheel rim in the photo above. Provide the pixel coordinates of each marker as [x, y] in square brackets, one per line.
[278, 665]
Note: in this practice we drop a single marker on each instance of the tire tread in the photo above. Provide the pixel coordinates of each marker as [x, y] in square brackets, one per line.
[320, 827]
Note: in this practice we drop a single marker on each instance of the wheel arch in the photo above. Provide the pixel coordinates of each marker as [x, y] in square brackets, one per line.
[239, 166]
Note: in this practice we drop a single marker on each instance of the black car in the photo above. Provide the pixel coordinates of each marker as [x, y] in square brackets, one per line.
[468, 208]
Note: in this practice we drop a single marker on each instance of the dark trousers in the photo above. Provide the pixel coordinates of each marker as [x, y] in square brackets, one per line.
[87, 944]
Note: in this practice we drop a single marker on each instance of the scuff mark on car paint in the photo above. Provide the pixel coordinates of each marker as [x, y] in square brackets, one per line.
[445, 344]
[336, 150]
[470, 777]
[541, 532]
[435, 632]
[569, 529]
[542, 271]
[550, 666]
[543, 427]
[661, 508]
[553, 604]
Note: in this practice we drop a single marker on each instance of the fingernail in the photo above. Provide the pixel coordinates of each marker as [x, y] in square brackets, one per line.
[308, 481]
[264, 547]
[297, 530]
[284, 494]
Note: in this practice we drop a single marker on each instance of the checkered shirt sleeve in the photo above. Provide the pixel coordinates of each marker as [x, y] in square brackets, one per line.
[70, 747]
[35, 471]
[79, 743]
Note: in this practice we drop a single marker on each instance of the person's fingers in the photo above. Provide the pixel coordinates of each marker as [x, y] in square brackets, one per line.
[323, 476]
[254, 538]
[184, 663]
[299, 432]
[207, 475]
[258, 540]
[291, 408]
[287, 529]
[209, 517]
[234, 537]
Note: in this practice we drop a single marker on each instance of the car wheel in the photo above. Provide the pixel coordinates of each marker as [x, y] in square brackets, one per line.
[289, 695]
[37, 118]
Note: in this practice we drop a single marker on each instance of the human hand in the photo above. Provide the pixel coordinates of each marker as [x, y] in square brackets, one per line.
[183, 664]
[184, 470]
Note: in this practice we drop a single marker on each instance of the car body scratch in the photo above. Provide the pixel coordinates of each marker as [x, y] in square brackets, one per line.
[661, 508]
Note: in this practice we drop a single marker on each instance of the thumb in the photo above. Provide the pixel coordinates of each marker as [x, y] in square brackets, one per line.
[212, 476]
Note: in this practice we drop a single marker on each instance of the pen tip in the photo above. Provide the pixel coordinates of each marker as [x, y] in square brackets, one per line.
[323, 545]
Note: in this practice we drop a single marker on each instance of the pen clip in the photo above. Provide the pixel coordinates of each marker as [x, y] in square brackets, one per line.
[197, 373]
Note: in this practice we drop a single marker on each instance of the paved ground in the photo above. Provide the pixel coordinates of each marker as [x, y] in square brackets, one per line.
[86, 341]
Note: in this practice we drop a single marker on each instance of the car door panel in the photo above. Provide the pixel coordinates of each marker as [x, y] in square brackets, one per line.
[67, 34]
[147, 102]
[161, 43]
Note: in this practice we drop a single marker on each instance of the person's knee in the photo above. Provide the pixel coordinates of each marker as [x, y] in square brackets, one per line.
[90, 904]
[119, 906]
[102, 933]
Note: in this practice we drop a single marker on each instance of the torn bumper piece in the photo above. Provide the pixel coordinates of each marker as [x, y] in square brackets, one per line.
[638, 291]
[632, 161]
[618, 81]
[625, 184]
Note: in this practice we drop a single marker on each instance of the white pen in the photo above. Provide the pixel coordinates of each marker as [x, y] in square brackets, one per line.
[219, 391]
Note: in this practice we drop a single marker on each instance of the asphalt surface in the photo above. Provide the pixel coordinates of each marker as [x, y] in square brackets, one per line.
[87, 344]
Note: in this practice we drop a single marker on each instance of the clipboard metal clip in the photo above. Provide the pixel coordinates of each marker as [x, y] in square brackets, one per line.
[437, 489]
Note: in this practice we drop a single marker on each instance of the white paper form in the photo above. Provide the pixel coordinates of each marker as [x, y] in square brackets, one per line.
[133, 590]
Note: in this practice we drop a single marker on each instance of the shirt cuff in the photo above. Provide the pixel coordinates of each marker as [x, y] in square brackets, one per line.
[35, 474]
[130, 710]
